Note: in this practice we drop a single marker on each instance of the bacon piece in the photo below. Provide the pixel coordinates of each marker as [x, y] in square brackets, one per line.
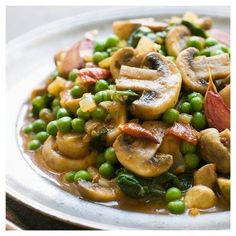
[137, 131]
[220, 35]
[74, 57]
[184, 131]
[217, 113]
[91, 75]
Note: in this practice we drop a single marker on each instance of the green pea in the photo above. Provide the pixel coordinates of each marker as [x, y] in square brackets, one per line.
[105, 54]
[194, 94]
[42, 136]
[185, 107]
[64, 124]
[173, 194]
[82, 114]
[187, 147]
[73, 75]
[191, 160]
[216, 52]
[111, 41]
[170, 116]
[196, 103]
[176, 207]
[152, 37]
[101, 85]
[206, 52]
[106, 170]
[102, 96]
[76, 91]
[38, 103]
[99, 46]
[55, 102]
[69, 176]
[78, 125]
[52, 128]
[98, 56]
[211, 42]
[38, 125]
[28, 129]
[224, 48]
[194, 41]
[82, 175]
[110, 155]
[198, 121]
[34, 144]
[62, 112]
[100, 159]
[99, 114]
[160, 37]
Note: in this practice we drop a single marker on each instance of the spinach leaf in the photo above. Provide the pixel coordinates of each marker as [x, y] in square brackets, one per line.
[130, 186]
[98, 142]
[137, 34]
[194, 29]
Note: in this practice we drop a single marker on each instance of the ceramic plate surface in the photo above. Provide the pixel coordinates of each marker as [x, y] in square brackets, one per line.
[29, 62]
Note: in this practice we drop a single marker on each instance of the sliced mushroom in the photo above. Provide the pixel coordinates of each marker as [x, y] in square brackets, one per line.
[123, 29]
[124, 56]
[204, 22]
[171, 145]
[176, 39]
[73, 145]
[215, 149]
[60, 163]
[224, 186]
[195, 69]
[117, 117]
[160, 82]
[99, 193]
[206, 175]
[225, 94]
[139, 155]
[200, 197]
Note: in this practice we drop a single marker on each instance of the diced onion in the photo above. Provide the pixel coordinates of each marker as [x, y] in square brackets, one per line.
[87, 103]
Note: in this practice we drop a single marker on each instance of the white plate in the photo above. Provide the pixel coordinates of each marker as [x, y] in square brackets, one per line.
[29, 61]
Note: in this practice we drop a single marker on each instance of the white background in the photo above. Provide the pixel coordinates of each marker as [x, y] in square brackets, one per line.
[20, 19]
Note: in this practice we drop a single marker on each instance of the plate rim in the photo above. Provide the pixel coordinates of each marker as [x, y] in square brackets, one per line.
[16, 43]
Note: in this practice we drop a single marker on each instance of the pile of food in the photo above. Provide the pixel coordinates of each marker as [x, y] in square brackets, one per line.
[141, 119]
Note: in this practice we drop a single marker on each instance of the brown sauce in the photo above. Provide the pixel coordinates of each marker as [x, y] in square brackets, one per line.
[149, 206]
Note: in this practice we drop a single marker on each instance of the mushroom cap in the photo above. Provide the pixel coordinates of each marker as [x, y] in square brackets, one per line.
[123, 29]
[200, 197]
[123, 56]
[224, 186]
[97, 192]
[171, 145]
[72, 145]
[118, 116]
[225, 94]
[139, 155]
[206, 175]
[60, 163]
[214, 148]
[176, 39]
[159, 81]
[195, 69]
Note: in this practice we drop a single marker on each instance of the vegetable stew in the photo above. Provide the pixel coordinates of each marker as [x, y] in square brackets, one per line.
[141, 120]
